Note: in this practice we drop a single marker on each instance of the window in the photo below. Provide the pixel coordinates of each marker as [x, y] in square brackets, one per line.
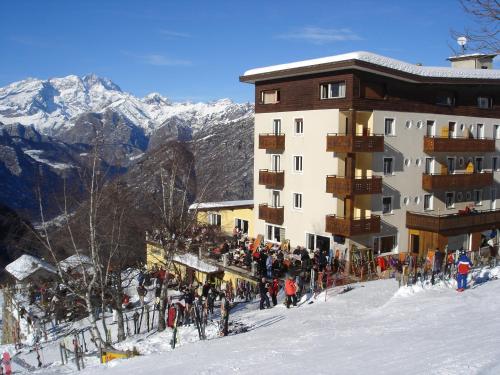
[494, 164]
[389, 126]
[493, 199]
[387, 205]
[241, 225]
[276, 126]
[496, 131]
[388, 168]
[385, 244]
[299, 126]
[478, 197]
[332, 90]
[297, 201]
[275, 162]
[478, 165]
[429, 165]
[446, 100]
[484, 102]
[274, 233]
[314, 242]
[270, 96]
[297, 163]
[409, 124]
[450, 199]
[214, 219]
[428, 202]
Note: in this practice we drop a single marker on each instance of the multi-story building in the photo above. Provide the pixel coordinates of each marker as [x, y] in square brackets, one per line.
[360, 149]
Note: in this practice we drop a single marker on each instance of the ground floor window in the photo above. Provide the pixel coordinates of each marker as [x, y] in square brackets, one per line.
[275, 233]
[214, 219]
[314, 241]
[241, 224]
[384, 244]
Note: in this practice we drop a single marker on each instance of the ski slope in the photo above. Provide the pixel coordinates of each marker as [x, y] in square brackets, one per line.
[373, 329]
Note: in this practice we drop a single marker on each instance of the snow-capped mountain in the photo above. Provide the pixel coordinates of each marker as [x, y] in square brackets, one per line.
[50, 126]
[53, 105]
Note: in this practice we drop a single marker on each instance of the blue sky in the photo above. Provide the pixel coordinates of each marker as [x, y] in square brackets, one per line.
[195, 50]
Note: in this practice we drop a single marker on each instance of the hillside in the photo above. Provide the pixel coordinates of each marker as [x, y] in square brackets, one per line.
[375, 328]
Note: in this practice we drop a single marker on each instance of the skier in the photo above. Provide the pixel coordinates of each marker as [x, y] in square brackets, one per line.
[290, 291]
[463, 266]
[224, 315]
[274, 287]
[264, 299]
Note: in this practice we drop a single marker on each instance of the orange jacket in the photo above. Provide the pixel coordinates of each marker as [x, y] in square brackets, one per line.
[290, 287]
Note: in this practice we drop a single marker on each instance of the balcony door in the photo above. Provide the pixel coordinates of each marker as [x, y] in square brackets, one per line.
[493, 201]
[452, 130]
[431, 128]
[429, 165]
[451, 165]
[277, 127]
[276, 198]
[275, 163]
[480, 131]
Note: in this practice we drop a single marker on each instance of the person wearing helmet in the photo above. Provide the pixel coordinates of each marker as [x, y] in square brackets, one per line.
[463, 266]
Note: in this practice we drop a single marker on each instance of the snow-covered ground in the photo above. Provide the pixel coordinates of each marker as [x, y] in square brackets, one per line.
[375, 328]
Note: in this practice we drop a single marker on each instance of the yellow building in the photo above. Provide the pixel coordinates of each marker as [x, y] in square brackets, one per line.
[226, 215]
[190, 268]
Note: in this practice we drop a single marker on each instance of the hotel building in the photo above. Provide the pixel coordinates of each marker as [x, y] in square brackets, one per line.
[364, 150]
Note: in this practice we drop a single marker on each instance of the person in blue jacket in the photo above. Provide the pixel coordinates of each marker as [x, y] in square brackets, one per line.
[463, 266]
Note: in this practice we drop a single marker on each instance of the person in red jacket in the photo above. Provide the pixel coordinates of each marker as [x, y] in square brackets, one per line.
[291, 292]
[463, 266]
[274, 287]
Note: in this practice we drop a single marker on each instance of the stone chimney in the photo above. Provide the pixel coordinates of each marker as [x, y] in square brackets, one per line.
[472, 61]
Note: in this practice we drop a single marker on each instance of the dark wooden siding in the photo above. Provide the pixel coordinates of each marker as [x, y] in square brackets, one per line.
[368, 91]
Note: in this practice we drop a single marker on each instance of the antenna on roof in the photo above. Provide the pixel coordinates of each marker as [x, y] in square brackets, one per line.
[462, 41]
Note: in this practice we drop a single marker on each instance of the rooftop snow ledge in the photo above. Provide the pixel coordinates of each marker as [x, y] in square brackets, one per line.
[386, 62]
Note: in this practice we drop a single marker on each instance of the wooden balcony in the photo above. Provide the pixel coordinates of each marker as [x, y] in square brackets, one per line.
[274, 142]
[273, 215]
[345, 186]
[352, 227]
[453, 224]
[462, 181]
[354, 143]
[272, 179]
[445, 144]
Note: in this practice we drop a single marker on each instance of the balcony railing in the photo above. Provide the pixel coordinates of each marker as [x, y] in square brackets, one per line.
[354, 143]
[453, 224]
[349, 227]
[432, 182]
[344, 186]
[455, 144]
[272, 141]
[273, 215]
[272, 179]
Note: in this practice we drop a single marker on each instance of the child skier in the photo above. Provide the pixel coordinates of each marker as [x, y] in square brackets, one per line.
[463, 266]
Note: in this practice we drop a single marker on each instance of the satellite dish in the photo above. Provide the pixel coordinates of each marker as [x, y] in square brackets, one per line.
[462, 40]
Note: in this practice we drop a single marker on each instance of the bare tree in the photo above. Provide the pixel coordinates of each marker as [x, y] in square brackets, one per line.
[484, 36]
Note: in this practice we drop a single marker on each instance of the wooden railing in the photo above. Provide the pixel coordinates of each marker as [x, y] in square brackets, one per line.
[343, 186]
[349, 227]
[432, 182]
[445, 144]
[272, 142]
[453, 224]
[272, 179]
[273, 215]
[354, 143]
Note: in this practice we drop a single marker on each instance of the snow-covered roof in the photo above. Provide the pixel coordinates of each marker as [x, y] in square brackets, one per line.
[381, 61]
[224, 204]
[27, 265]
[74, 261]
[193, 261]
